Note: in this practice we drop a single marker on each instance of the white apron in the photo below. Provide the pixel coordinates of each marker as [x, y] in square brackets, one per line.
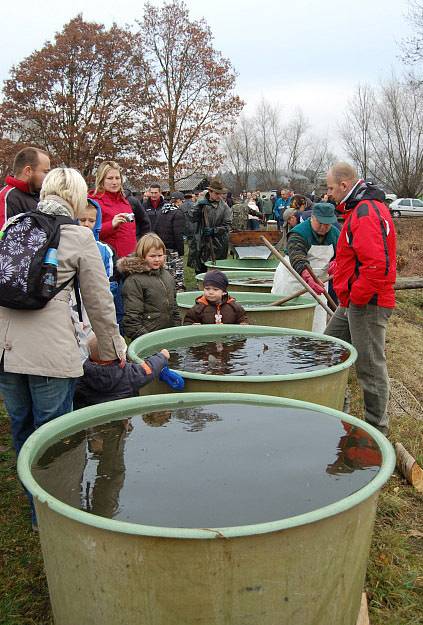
[285, 284]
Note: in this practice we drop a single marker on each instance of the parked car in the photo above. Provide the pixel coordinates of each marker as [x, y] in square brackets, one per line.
[406, 207]
[390, 197]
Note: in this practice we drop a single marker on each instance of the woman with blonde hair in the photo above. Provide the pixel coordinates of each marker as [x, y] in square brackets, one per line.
[149, 292]
[40, 359]
[118, 220]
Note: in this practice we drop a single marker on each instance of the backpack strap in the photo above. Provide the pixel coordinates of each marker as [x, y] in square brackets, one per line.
[62, 220]
[78, 296]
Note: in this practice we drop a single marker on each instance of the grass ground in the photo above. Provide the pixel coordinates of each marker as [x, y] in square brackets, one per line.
[395, 573]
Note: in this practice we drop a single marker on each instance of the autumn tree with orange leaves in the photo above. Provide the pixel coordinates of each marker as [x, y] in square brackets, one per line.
[158, 101]
[191, 102]
[79, 98]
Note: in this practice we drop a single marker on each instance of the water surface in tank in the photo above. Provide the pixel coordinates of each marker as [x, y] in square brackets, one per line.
[217, 465]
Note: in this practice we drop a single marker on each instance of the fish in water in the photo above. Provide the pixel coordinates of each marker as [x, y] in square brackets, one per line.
[265, 347]
[212, 360]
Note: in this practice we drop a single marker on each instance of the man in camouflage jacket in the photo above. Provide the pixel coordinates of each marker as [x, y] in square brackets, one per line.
[212, 219]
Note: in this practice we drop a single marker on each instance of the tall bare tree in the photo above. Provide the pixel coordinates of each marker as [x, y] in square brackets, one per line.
[412, 46]
[79, 98]
[191, 102]
[269, 141]
[398, 138]
[386, 141]
[239, 152]
[355, 131]
[296, 140]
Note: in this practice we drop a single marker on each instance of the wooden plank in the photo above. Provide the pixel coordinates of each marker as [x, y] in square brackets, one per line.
[363, 616]
[240, 238]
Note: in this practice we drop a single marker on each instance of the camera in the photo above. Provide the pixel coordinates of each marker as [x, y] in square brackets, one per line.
[129, 216]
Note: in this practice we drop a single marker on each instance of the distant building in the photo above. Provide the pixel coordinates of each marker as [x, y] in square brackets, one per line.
[190, 184]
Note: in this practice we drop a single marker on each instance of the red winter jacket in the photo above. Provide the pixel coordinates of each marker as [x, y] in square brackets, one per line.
[366, 252]
[123, 238]
[16, 198]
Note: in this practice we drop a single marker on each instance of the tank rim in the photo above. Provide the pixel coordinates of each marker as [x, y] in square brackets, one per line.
[309, 303]
[63, 426]
[170, 335]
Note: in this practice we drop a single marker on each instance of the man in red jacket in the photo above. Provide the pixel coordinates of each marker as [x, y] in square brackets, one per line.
[21, 193]
[364, 275]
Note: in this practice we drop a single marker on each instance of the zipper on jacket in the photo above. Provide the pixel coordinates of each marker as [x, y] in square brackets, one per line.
[167, 295]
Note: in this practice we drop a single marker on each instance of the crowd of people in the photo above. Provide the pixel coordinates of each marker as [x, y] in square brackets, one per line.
[118, 263]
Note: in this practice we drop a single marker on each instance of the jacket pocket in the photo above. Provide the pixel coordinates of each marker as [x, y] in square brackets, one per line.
[152, 321]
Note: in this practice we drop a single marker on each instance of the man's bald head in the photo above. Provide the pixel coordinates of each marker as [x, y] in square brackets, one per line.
[341, 179]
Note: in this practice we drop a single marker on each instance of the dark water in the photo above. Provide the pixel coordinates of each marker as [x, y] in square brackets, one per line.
[258, 355]
[211, 466]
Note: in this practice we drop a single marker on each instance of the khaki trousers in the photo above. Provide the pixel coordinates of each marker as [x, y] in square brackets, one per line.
[365, 328]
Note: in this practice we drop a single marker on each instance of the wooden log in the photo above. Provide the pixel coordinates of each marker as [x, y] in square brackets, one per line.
[412, 282]
[409, 467]
[363, 616]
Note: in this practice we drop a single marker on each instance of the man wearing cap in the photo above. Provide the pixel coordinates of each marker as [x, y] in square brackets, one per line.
[212, 218]
[364, 278]
[311, 244]
[170, 226]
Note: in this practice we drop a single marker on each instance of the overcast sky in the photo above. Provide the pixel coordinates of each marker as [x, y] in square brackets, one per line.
[303, 53]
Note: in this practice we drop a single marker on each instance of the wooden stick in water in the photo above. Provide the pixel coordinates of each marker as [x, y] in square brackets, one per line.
[288, 298]
[296, 275]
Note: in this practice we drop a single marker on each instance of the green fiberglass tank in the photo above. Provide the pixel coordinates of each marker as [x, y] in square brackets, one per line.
[244, 264]
[250, 281]
[207, 510]
[297, 313]
[253, 359]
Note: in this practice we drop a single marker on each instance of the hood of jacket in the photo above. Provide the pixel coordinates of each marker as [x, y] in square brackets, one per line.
[134, 264]
[98, 221]
[226, 299]
[363, 191]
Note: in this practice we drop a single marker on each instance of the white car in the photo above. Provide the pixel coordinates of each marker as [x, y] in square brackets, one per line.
[406, 207]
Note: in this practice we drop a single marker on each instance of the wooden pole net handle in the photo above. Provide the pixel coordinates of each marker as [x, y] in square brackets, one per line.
[296, 275]
[288, 298]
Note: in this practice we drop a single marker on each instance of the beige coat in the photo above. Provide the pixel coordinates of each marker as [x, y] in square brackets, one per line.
[43, 342]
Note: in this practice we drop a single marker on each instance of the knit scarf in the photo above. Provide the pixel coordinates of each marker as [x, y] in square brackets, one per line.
[55, 205]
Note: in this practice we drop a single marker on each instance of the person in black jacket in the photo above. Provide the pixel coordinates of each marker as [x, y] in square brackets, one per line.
[142, 222]
[170, 226]
[153, 204]
[22, 191]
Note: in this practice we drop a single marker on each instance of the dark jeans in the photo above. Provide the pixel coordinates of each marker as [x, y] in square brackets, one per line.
[365, 328]
[31, 401]
[254, 224]
[116, 289]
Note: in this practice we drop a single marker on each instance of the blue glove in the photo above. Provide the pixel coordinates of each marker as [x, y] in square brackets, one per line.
[208, 232]
[172, 379]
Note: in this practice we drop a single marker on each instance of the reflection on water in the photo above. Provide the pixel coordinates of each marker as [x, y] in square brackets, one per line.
[255, 281]
[210, 466]
[258, 355]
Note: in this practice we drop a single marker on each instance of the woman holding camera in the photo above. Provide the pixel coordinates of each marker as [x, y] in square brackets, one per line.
[118, 224]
